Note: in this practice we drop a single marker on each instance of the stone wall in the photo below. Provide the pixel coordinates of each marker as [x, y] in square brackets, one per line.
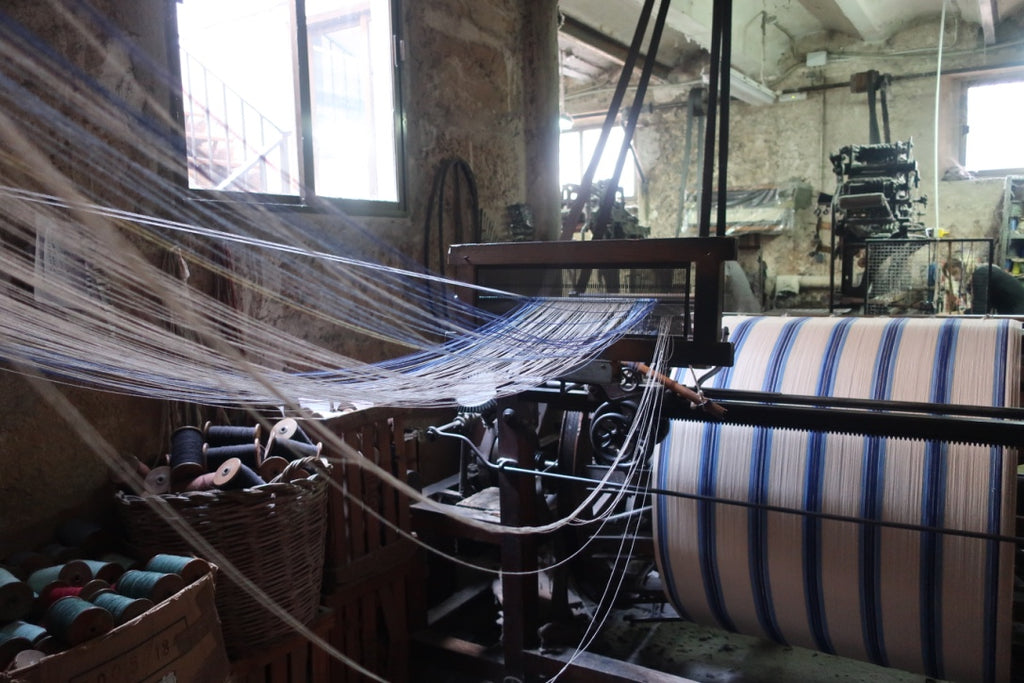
[470, 92]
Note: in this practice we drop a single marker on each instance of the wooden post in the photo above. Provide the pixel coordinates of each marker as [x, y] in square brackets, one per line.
[516, 443]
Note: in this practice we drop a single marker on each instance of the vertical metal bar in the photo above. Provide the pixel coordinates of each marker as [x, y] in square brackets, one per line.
[723, 114]
[711, 125]
[304, 112]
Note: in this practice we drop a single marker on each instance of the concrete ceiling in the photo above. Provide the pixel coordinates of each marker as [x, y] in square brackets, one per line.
[766, 34]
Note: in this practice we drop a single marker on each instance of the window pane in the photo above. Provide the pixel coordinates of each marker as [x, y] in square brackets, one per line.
[994, 137]
[351, 86]
[606, 167]
[238, 92]
[569, 155]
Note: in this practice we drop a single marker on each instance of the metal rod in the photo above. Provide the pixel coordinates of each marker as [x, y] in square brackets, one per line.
[766, 507]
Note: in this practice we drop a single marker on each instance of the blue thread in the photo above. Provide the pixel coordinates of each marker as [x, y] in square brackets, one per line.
[758, 485]
[814, 483]
[933, 501]
[872, 491]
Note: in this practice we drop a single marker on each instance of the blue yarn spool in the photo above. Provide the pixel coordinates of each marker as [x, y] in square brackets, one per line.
[33, 633]
[122, 607]
[155, 586]
[106, 571]
[74, 620]
[216, 456]
[186, 457]
[190, 569]
[74, 573]
[292, 450]
[15, 596]
[229, 435]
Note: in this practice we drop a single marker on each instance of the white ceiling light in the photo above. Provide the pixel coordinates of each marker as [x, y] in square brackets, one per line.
[750, 91]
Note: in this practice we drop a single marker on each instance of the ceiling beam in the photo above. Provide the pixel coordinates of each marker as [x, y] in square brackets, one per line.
[609, 46]
[832, 17]
[989, 14]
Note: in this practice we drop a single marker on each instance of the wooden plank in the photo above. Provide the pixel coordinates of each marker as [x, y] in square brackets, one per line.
[399, 631]
[384, 561]
[356, 516]
[633, 253]
[371, 489]
[371, 653]
[389, 503]
[401, 467]
[277, 670]
[298, 664]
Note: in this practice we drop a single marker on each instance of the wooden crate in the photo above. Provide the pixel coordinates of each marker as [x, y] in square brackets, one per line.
[368, 519]
[375, 619]
[292, 659]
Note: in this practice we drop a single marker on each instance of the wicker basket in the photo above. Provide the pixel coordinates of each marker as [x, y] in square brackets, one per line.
[274, 534]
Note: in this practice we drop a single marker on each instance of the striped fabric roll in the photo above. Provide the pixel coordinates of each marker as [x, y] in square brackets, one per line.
[916, 600]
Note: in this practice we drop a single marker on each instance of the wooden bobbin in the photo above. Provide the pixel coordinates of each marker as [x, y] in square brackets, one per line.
[15, 597]
[27, 658]
[159, 480]
[154, 586]
[184, 473]
[122, 561]
[272, 466]
[220, 435]
[251, 454]
[105, 571]
[73, 573]
[234, 474]
[10, 647]
[190, 569]
[121, 607]
[23, 629]
[204, 482]
[289, 429]
[74, 621]
[53, 593]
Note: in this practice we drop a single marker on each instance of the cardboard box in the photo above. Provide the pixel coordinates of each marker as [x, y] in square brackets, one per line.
[177, 641]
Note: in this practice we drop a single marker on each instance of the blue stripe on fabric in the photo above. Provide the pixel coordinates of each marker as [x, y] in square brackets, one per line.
[995, 504]
[707, 537]
[758, 485]
[933, 508]
[872, 490]
[814, 484]
[661, 477]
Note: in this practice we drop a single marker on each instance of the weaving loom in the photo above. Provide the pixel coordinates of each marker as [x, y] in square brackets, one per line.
[855, 495]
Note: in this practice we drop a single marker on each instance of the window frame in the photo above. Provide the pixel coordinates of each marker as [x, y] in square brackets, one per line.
[307, 199]
[1009, 75]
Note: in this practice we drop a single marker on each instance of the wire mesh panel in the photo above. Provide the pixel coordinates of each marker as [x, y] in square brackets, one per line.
[922, 276]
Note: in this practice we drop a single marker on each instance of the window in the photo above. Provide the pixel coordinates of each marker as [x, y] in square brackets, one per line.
[293, 99]
[576, 149]
[993, 135]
